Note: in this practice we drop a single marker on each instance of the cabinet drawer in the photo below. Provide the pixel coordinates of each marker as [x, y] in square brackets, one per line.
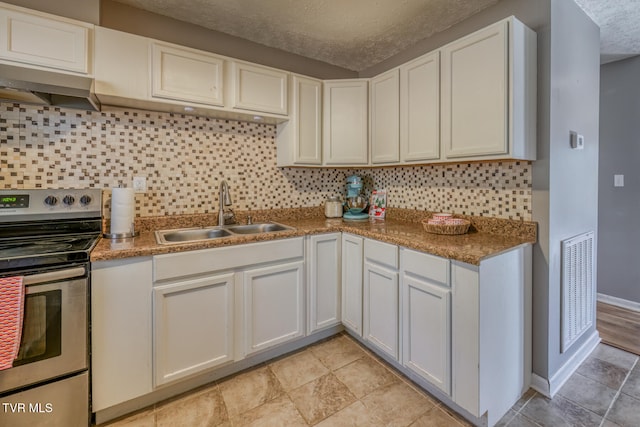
[430, 267]
[192, 263]
[382, 253]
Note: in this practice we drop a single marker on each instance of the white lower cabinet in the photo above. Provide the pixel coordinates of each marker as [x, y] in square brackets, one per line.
[120, 331]
[380, 306]
[491, 333]
[352, 261]
[461, 331]
[323, 281]
[193, 322]
[273, 305]
[426, 317]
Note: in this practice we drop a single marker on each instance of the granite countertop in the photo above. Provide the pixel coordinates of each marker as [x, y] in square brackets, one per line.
[486, 237]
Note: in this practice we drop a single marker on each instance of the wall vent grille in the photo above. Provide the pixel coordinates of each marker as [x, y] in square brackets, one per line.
[578, 287]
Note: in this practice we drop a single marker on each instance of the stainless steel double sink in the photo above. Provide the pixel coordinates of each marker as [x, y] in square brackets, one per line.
[185, 235]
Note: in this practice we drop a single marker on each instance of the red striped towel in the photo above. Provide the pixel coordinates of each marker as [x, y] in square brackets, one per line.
[11, 313]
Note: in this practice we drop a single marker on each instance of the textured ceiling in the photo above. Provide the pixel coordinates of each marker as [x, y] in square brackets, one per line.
[619, 23]
[353, 34]
[357, 34]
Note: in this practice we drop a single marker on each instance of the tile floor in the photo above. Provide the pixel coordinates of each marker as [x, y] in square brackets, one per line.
[339, 383]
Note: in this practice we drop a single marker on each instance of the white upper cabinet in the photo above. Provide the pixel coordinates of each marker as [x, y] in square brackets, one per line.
[420, 109]
[385, 117]
[345, 131]
[300, 139]
[187, 75]
[44, 40]
[488, 93]
[259, 89]
[113, 81]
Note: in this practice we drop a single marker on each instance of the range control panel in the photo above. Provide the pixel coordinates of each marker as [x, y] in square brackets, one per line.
[31, 204]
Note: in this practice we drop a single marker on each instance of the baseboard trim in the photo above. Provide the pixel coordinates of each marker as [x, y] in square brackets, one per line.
[539, 384]
[619, 302]
[550, 388]
[182, 386]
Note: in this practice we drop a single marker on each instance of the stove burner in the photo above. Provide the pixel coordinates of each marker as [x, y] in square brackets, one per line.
[24, 249]
[18, 254]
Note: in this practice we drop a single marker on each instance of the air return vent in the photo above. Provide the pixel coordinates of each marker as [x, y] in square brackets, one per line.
[578, 287]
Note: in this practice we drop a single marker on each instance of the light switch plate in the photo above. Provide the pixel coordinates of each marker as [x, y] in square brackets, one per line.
[576, 140]
[618, 180]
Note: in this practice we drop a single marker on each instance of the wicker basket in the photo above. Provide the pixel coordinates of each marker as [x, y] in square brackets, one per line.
[445, 228]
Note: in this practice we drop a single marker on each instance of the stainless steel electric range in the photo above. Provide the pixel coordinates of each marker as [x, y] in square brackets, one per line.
[45, 239]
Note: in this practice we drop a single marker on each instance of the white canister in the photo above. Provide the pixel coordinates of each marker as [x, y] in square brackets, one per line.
[333, 208]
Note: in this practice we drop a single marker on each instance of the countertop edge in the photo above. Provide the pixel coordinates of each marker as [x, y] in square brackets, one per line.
[122, 249]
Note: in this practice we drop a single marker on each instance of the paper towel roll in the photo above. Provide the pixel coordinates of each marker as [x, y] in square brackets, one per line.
[122, 210]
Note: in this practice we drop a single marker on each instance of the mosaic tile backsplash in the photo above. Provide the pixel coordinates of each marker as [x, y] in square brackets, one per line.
[184, 158]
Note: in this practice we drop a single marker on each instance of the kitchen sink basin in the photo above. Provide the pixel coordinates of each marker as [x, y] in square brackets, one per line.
[190, 235]
[267, 227]
[185, 235]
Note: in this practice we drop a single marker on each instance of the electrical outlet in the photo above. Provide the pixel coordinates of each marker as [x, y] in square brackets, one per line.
[139, 184]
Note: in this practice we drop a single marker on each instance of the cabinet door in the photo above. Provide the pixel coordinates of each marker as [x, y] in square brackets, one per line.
[300, 138]
[420, 109]
[193, 326]
[307, 105]
[273, 305]
[323, 264]
[475, 94]
[112, 50]
[345, 128]
[381, 308]
[186, 75]
[260, 89]
[120, 331]
[427, 330]
[45, 40]
[385, 117]
[352, 259]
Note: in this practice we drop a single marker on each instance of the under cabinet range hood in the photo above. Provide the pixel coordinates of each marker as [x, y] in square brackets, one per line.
[41, 87]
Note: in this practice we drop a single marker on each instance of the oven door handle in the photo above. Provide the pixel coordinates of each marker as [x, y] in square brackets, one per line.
[58, 275]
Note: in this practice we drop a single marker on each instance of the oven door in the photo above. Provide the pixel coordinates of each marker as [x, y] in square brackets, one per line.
[54, 328]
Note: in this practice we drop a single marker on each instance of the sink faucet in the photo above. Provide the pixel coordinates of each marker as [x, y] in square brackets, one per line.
[224, 198]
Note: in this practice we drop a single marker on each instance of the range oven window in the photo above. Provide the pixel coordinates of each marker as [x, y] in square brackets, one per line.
[41, 327]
